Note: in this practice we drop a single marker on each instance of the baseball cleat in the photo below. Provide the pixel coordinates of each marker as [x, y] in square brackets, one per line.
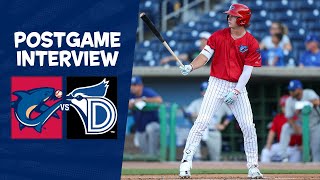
[254, 173]
[185, 168]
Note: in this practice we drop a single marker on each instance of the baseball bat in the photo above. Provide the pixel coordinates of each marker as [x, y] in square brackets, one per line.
[154, 30]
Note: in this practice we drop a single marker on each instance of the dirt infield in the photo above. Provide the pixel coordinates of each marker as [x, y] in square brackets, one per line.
[149, 166]
[227, 176]
[218, 165]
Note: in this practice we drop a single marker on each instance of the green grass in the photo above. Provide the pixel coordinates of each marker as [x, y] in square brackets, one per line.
[215, 171]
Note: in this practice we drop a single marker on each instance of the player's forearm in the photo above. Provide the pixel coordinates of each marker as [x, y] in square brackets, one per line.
[295, 127]
[291, 121]
[270, 138]
[244, 78]
[153, 99]
[198, 62]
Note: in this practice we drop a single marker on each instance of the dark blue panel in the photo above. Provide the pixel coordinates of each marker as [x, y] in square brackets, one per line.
[64, 159]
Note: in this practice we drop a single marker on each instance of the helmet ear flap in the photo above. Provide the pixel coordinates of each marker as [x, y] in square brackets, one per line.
[240, 22]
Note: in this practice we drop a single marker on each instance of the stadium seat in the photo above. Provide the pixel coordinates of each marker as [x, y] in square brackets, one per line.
[299, 16]
[306, 16]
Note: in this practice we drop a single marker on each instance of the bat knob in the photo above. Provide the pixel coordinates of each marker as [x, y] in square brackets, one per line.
[142, 14]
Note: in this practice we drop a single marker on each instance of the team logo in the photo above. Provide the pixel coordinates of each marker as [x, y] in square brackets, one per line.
[243, 48]
[231, 7]
[98, 114]
[34, 108]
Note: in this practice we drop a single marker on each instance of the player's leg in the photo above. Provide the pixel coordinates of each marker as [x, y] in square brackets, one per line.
[141, 138]
[285, 136]
[315, 143]
[212, 100]
[275, 156]
[243, 113]
[268, 154]
[197, 154]
[265, 155]
[294, 153]
[153, 133]
[214, 145]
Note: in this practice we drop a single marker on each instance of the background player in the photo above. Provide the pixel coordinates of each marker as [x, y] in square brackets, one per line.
[146, 122]
[305, 96]
[271, 151]
[236, 52]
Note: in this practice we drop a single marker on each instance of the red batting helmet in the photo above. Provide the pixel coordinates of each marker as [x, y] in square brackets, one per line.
[282, 100]
[242, 12]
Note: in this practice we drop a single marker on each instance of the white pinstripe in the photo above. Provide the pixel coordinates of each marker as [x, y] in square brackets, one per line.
[241, 109]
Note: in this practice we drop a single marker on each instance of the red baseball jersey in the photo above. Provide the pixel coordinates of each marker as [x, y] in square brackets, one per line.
[278, 121]
[231, 55]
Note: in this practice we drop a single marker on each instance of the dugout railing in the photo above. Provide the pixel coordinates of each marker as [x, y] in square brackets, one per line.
[167, 120]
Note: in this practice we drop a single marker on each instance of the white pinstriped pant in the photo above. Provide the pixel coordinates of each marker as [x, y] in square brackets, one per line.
[241, 109]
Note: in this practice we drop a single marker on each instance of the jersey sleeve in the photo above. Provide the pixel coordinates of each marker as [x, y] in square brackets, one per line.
[212, 41]
[274, 124]
[253, 57]
[311, 94]
[289, 109]
[150, 93]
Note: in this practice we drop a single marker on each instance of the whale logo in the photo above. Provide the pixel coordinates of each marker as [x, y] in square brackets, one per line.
[98, 113]
[34, 101]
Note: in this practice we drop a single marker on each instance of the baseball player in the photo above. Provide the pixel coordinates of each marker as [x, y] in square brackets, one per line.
[300, 97]
[146, 122]
[271, 151]
[235, 52]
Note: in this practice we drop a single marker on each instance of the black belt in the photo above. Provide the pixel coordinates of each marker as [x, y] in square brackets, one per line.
[212, 130]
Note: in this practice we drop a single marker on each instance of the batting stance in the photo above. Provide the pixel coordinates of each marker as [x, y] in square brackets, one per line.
[235, 52]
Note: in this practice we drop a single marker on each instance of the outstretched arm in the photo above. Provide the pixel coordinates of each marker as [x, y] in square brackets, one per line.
[271, 136]
[199, 61]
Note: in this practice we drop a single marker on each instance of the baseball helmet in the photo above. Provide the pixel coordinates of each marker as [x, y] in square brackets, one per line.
[282, 100]
[242, 12]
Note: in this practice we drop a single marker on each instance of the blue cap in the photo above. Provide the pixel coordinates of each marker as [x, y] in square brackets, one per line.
[136, 80]
[311, 37]
[294, 84]
[204, 86]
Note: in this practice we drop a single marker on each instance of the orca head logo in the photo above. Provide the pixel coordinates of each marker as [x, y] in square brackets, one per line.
[243, 48]
[98, 114]
[34, 101]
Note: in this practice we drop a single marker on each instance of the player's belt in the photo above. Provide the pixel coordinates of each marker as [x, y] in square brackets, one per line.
[212, 130]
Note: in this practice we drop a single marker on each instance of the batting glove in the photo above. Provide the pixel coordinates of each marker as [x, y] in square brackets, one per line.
[231, 97]
[186, 69]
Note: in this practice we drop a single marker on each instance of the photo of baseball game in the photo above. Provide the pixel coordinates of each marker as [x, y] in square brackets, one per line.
[225, 89]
